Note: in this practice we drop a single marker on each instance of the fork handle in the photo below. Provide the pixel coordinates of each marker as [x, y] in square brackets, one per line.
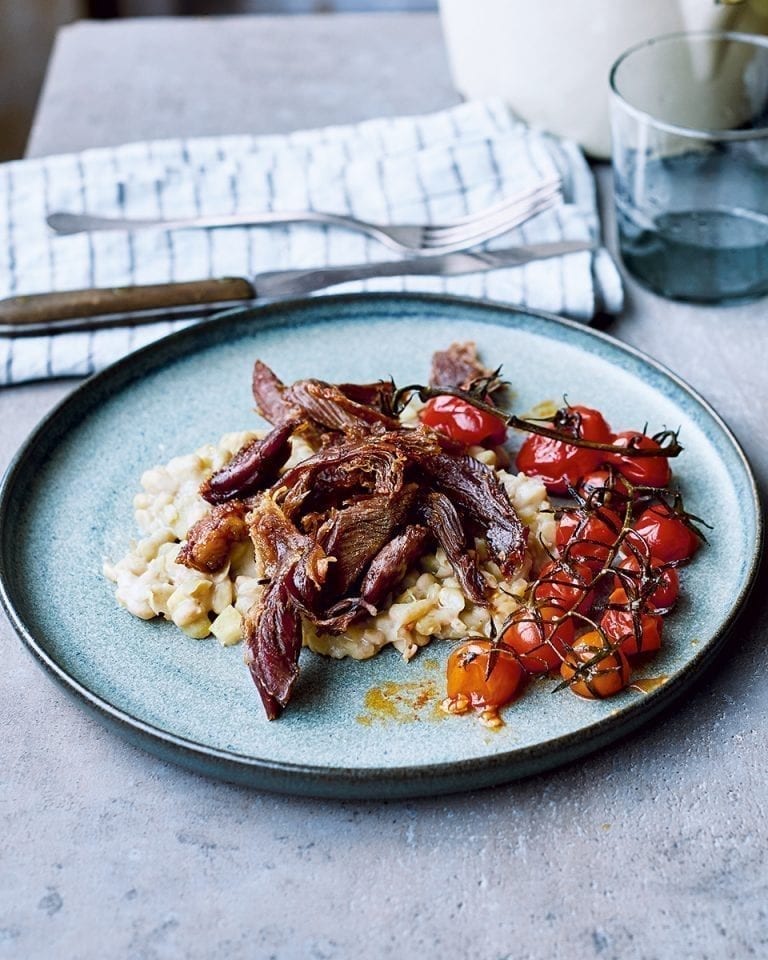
[64, 223]
[74, 304]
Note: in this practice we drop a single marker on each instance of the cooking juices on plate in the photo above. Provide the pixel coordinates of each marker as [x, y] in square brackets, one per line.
[371, 515]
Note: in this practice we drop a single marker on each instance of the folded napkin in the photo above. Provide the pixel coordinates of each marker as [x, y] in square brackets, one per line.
[403, 170]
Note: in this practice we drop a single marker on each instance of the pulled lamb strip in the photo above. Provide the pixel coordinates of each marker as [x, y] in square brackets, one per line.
[380, 395]
[254, 467]
[458, 366]
[391, 564]
[326, 405]
[384, 574]
[272, 627]
[306, 581]
[275, 538]
[269, 394]
[376, 465]
[343, 408]
[209, 541]
[475, 491]
[273, 635]
[354, 535]
[443, 520]
[301, 569]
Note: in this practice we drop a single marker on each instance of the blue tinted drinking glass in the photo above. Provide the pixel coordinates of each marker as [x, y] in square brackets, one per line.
[689, 120]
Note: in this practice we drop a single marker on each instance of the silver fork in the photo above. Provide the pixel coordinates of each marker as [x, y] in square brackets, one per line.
[411, 239]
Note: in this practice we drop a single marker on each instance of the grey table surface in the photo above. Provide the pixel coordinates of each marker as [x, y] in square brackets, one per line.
[655, 847]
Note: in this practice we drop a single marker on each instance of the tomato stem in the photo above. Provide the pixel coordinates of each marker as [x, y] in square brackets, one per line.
[669, 445]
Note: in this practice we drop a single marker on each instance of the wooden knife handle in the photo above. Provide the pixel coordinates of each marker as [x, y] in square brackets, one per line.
[75, 304]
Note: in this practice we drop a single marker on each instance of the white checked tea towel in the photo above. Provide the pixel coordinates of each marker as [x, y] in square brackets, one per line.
[423, 169]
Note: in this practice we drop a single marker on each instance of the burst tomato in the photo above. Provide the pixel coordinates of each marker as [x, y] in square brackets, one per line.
[660, 533]
[564, 588]
[616, 493]
[641, 471]
[468, 674]
[632, 635]
[460, 421]
[539, 641]
[594, 671]
[659, 585]
[560, 464]
[588, 537]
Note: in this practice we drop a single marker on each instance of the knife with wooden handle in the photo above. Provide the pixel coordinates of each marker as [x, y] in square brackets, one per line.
[122, 306]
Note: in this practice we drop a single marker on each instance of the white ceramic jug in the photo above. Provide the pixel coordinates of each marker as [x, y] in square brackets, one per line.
[550, 59]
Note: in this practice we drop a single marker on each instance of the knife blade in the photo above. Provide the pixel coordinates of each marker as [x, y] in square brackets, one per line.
[33, 314]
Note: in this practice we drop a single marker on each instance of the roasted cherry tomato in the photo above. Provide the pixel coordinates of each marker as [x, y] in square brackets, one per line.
[632, 636]
[616, 491]
[564, 588]
[560, 464]
[641, 471]
[663, 535]
[594, 671]
[659, 585]
[460, 421]
[588, 537]
[539, 638]
[467, 669]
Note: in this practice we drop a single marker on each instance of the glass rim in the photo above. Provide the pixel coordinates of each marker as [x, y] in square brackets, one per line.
[706, 134]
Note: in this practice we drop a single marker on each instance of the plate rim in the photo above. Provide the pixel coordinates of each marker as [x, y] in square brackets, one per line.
[363, 782]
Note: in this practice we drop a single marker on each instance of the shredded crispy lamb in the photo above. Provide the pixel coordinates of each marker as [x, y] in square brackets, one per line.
[338, 532]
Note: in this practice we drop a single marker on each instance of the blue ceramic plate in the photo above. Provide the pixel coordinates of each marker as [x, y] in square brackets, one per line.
[353, 729]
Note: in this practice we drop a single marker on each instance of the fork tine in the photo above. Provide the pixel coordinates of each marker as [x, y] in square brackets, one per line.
[473, 234]
[511, 216]
[547, 188]
[499, 212]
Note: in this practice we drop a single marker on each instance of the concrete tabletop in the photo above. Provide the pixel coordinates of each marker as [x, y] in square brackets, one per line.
[652, 848]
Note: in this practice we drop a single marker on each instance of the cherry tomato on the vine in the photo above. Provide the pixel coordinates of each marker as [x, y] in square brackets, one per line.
[660, 533]
[641, 471]
[632, 636]
[563, 588]
[558, 463]
[539, 638]
[588, 538]
[660, 585]
[461, 421]
[467, 669]
[616, 492]
[594, 671]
